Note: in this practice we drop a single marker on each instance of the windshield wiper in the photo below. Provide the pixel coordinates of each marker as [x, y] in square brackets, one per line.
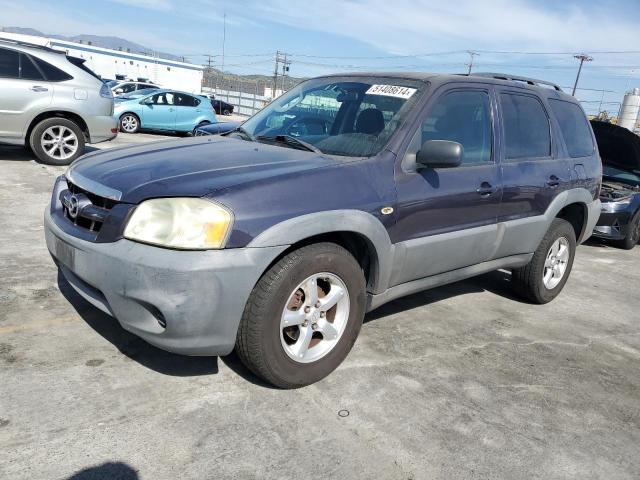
[242, 132]
[289, 140]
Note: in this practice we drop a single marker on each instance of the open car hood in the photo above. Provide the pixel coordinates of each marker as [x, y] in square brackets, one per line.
[618, 147]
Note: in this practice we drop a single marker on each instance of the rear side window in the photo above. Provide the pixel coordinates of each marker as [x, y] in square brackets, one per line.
[186, 100]
[463, 117]
[574, 126]
[526, 127]
[52, 74]
[9, 63]
[28, 71]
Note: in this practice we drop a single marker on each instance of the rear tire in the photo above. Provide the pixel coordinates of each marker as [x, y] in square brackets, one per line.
[57, 141]
[226, 112]
[278, 353]
[544, 277]
[633, 235]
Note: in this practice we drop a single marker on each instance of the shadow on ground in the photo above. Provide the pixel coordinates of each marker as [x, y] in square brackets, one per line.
[106, 471]
[497, 282]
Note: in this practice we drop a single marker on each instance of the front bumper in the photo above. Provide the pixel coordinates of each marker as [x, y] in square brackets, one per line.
[593, 213]
[612, 225]
[101, 128]
[187, 302]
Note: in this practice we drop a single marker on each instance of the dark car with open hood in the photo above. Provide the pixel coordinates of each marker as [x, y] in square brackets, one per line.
[345, 193]
[620, 194]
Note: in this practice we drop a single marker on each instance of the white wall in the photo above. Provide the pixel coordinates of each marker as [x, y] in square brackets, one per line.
[107, 63]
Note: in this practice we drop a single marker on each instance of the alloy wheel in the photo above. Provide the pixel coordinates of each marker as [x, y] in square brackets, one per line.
[314, 317]
[129, 123]
[59, 142]
[556, 263]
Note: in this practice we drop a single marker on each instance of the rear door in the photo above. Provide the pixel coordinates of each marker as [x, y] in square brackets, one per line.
[533, 168]
[188, 110]
[23, 93]
[447, 216]
[160, 114]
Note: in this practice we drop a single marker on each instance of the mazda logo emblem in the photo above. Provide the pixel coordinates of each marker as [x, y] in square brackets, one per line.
[74, 206]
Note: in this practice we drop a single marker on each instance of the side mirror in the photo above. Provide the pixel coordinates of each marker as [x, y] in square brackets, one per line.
[439, 154]
[118, 91]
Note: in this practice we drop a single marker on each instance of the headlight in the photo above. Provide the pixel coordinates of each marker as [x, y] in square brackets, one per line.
[183, 223]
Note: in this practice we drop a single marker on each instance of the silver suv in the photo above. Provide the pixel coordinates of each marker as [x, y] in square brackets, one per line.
[51, 103]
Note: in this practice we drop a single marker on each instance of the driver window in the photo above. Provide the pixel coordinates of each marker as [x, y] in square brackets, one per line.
[463, 117]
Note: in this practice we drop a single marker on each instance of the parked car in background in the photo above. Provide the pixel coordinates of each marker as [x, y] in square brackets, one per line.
[51, 103]
[124, 88]
[221, 108]
[277, 245]
[620, 194]
[163, 109]
[216, 128]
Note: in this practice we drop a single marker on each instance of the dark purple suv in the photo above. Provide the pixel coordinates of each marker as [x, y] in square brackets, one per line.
[345, 193]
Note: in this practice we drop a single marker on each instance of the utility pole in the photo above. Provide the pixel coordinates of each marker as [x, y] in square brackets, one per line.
[471, 55]
[285, 70]
[281, 58]
[224, 38]
[583, 58]
[209, 67]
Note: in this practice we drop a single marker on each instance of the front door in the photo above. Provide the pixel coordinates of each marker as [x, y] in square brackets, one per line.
[160, 112]
[447, 216]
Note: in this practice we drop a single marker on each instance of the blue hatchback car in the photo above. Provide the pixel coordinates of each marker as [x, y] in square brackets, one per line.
[162, 109]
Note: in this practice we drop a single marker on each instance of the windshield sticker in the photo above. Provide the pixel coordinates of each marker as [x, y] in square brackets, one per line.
[391, 91]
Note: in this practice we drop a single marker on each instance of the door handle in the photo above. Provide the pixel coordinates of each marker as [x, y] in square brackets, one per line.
[553, 181]
[38, 88]
[485, 189]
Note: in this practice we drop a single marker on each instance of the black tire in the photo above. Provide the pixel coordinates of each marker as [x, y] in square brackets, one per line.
[38, 136]
[528, 281]
[633, 235]
[135, 128]
[258, 342]
[201, 124]
[226, 112]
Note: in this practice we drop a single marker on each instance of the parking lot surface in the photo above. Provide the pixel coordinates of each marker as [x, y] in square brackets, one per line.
[464, 381]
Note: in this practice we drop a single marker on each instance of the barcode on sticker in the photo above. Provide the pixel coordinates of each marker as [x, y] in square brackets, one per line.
[391, 91]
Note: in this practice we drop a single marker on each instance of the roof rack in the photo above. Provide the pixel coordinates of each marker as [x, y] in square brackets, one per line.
[515, 78]
[22, 43]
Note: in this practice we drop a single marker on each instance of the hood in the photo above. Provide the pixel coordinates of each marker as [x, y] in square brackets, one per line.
[191, 167]
[618, 147]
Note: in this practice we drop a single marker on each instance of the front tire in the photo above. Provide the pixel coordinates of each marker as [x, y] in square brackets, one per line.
[129, 123]
[633, 235]
[57, 141]
[303, 316]
[544, 277]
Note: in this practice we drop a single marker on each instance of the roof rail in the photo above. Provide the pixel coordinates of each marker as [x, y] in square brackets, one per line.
[516, 78]
[22, 43]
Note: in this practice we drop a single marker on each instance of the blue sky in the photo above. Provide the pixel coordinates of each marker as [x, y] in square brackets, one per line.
[325, 36]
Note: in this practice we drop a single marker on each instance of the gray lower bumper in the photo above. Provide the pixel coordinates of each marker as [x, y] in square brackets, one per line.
[101, 128]
[198, 295]
[593, 214]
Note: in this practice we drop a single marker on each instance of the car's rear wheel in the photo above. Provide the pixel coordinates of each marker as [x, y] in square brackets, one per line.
[633, 233]
[303, 316]
[226, 112]
[544, 277]
[129, 123]
[57, 141]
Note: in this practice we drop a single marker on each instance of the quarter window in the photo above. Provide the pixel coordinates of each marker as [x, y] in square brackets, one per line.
[463, 117]
[52, 74]
[526, 127]
[574, 127]
[9, 63]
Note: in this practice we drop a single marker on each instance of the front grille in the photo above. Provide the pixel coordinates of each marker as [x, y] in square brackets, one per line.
[85, 209]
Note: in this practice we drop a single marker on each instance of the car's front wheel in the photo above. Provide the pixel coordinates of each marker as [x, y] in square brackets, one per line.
[544, 277]
[633, 233]
[129, 123]
[303, 316]
[226, 112]
[57, 141]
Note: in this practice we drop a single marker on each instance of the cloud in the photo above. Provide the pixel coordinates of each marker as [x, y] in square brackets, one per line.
[162, 5]
[412, 26]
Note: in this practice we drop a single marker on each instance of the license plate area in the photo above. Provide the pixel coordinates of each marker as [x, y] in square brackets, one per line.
[65, 253]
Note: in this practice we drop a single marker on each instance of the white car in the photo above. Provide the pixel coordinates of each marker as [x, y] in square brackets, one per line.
[123, 87]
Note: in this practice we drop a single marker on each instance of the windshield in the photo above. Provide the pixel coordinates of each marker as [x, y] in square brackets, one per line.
[347, 116]
[625, 176]
[111, 83]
